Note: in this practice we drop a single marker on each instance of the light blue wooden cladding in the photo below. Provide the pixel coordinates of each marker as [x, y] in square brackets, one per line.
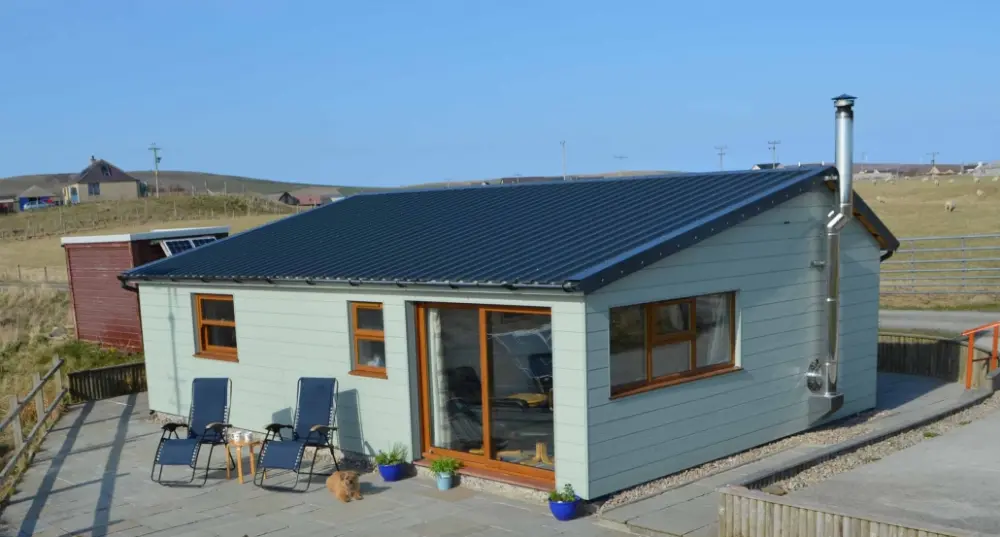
[781, 328]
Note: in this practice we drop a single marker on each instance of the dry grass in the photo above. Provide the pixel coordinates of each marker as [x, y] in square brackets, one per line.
[917, 208]
[44, 257]
[914, 208]
[58, 221]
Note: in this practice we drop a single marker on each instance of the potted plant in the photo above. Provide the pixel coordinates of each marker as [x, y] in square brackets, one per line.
[390, 464]
[445, 469]
[564, 503]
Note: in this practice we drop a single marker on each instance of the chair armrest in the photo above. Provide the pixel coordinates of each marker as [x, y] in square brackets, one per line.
[277, 427]
[172, 427]
[218, 427]
[321, 429]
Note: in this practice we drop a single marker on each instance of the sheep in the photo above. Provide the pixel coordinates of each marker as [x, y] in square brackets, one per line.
[880, 199]
[949, 206]
[976, 180]
[951, 180]
[937, 183]
[980, 193]
[924, 179]
[995, 179]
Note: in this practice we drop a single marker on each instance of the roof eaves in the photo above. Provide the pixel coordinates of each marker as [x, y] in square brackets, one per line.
[864, 213]
[354, 282]
[644, 255]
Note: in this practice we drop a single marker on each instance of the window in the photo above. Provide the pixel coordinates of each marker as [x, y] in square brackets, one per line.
[93, 189]
[664, 343]
[105, 171]
[216, 323]
[368, 337]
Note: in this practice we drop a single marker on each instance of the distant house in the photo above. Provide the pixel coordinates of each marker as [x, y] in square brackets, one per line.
[8, 203]
[310, 200]
[767, 166]
[283, 197]
[101, 181]
[35, 194]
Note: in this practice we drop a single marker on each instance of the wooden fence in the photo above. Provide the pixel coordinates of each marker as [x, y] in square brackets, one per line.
[929, 356]
[751, 513]
[107, 382]
[24, 444]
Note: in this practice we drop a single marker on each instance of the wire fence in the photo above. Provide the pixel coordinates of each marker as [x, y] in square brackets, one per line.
[28, 274]
[958, 264]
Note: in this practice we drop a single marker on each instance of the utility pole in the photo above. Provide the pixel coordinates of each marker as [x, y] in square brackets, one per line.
[722, 155]
[156, 166]
[773, 145]
[933, 155]
[621, 171]
[563, 144]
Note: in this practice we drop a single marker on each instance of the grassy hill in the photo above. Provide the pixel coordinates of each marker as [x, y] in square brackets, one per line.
[182, 181]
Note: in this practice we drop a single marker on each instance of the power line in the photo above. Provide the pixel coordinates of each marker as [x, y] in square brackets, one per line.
[156, 166]
[773, 145]
[722, 155]
[621, 171]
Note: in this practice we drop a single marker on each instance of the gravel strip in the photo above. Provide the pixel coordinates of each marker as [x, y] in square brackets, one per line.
[888, 446]
[841, 431]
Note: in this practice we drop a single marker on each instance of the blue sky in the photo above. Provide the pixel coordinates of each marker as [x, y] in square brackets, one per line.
[399, 92]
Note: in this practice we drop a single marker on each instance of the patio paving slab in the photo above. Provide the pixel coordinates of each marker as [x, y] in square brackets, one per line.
[91, 479]
[691, 510]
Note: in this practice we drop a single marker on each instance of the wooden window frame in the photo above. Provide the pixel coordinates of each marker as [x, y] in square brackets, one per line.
[485, 462]
[653, 339]
[363, 334]
[206, 350]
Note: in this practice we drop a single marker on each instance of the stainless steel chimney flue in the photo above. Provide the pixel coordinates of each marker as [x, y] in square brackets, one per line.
[829, 397]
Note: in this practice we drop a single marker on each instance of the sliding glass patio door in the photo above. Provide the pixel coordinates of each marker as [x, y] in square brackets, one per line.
[486, 386]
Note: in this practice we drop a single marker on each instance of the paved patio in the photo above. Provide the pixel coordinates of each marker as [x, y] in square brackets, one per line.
[91, 479]
[692, 510]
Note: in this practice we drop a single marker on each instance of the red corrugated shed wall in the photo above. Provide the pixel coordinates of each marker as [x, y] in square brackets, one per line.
[105, 313]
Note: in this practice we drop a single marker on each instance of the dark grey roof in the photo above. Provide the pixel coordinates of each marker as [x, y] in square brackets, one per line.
[767, 166]
[575, 235]
[35, 191]
[102, 171]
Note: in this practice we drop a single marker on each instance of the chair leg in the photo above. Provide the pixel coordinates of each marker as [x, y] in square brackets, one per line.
[336, 466]
[208, 464]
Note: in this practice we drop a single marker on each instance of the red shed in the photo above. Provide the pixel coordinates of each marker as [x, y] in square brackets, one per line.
[106, 313]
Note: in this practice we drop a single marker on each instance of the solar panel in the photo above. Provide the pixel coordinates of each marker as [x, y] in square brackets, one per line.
[202, 241]
[176, 246]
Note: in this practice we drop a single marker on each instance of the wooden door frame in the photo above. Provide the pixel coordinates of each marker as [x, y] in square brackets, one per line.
[484, 461]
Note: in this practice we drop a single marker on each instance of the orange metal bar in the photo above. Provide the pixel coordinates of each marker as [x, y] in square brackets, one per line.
[993, 358]
[968, 364]
[973, 331]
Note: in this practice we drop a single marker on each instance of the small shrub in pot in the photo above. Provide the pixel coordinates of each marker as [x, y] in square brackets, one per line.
[392, 463]
[445, 469]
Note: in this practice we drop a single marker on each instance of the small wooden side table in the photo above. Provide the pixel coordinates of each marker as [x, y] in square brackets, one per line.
[239, 457]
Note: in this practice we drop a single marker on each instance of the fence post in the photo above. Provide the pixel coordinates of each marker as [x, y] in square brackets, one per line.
[19, 273]
[36, 380]
[15, 424]
[45, 274]
[57, 378]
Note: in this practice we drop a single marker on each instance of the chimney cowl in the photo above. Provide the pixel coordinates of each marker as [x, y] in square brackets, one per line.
[93, 159]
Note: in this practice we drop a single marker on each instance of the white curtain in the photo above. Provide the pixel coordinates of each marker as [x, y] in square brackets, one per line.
[438, 380]
[714, 333]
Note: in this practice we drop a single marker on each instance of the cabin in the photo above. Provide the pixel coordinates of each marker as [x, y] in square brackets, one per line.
[106, 313]
[598, 332]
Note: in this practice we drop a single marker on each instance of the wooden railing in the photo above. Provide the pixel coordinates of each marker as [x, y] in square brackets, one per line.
[12, 422]
[971, 359]
[933, 356]
[752, 513]
[106, 382]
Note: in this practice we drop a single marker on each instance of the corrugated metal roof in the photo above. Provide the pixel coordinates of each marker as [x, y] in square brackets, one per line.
[576, 235]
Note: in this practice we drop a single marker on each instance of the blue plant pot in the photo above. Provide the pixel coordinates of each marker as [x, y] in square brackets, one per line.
[444, 481]
[564, 510]
[391, 472]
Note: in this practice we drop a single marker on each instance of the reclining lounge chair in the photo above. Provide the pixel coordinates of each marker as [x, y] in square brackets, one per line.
[207, 424]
